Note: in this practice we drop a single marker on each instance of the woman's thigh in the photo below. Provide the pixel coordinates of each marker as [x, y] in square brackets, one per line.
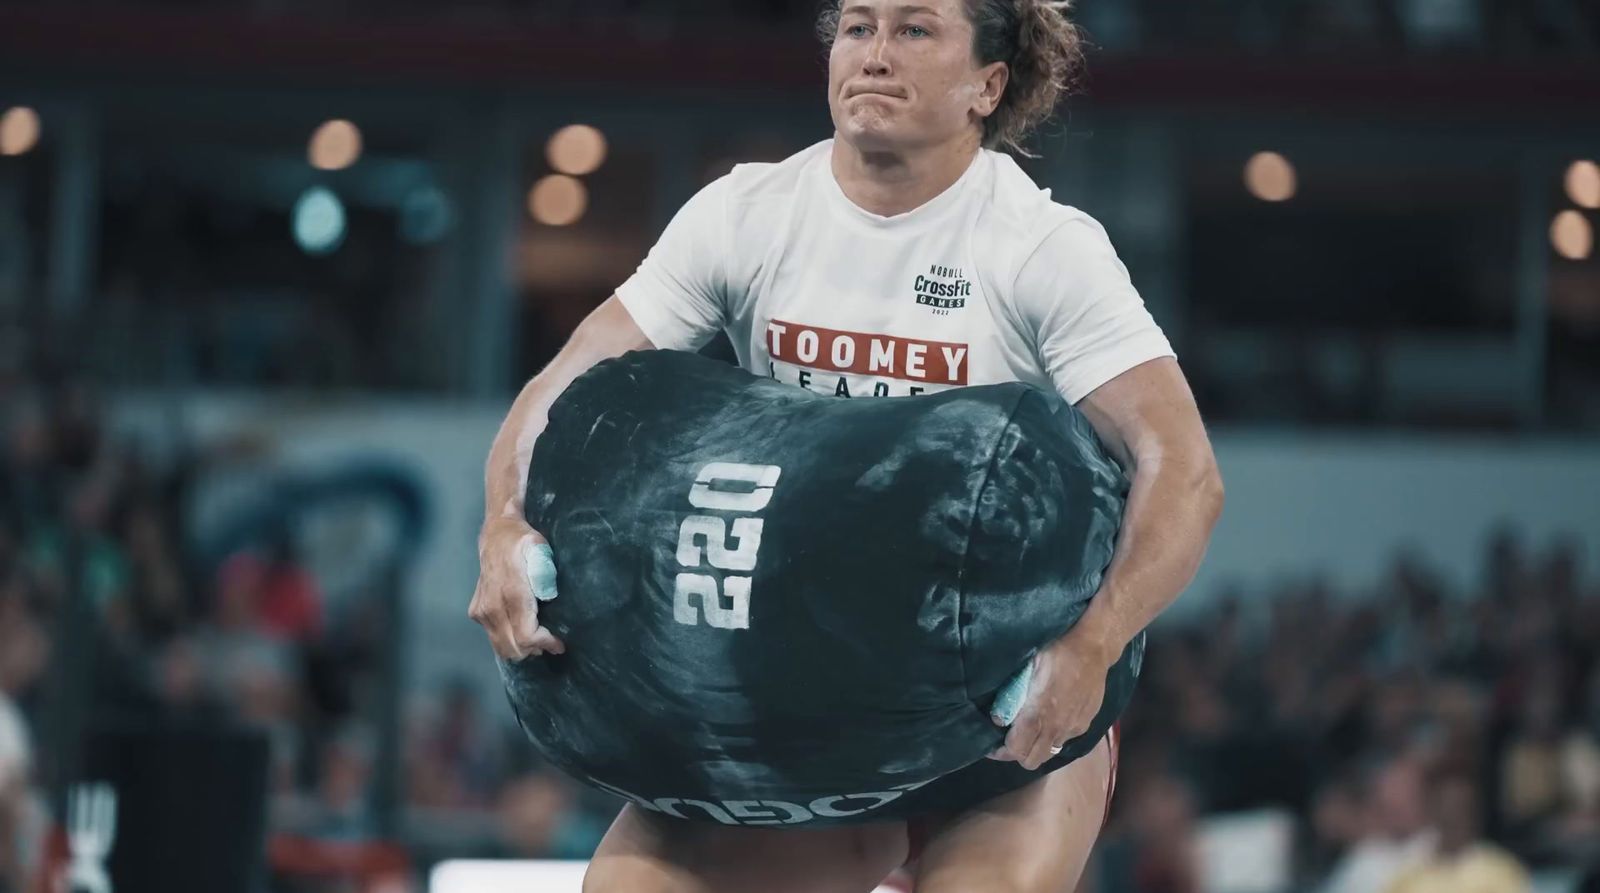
[1033, 840]
[648, 853]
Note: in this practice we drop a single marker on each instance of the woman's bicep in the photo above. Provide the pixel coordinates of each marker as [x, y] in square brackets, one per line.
[679, 294]
[1145, 412]
[1087, 321]
[608, 331]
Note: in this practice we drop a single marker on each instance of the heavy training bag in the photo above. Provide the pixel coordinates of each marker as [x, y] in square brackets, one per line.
[782, 608]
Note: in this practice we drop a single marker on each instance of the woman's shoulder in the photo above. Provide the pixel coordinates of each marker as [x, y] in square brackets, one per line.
[755, 181]
[1019, 217]
[1019, 207]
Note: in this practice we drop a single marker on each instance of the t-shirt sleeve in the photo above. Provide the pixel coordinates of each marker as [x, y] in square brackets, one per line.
[1087, 321]
[678, 296]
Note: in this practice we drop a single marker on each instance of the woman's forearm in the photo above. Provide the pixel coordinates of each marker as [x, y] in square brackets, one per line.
[1172, 507]
[506, 472]
[1148, 419]
[607, 332]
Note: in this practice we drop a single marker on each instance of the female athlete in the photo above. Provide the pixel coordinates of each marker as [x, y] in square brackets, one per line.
[905, 255]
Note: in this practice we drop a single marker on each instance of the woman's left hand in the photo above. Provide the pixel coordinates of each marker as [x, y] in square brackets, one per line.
[1065, 693]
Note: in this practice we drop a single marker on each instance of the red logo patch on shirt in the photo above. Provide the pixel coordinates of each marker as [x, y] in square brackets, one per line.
[860, 353]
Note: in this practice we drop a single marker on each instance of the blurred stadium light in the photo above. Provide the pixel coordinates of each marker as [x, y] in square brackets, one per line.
[576, 150]
[319, 221]
[334, 146]
[1583, 184]
[1270, 177]
[19, 130]
[558, 200]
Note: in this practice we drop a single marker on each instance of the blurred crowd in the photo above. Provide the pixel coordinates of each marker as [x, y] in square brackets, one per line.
[1426, 739]
[112, 615]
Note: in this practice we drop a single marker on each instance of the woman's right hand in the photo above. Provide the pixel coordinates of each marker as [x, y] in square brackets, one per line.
[515, 573]
[515, 570]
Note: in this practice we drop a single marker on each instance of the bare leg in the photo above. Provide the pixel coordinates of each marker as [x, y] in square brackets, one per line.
[1033, 840]
[647, 853]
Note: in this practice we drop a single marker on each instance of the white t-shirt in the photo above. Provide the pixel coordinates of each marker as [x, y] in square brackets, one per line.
[989, 282]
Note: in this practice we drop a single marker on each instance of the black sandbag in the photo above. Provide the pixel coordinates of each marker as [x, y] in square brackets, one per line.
[909, 555]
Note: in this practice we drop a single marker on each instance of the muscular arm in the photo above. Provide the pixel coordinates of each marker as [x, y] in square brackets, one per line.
[607, 332]
[1148, 419]
[503, 601]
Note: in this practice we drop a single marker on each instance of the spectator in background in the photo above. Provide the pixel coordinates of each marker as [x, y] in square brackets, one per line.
[1162, 812]
[157, 606]
[24, 649]
[338, 811]
[283, 598]
[1396, 833]
[76, 415]
[1454, 738]
[1338, 821]
[239, 651]
[88, 538]
[346, 775]
[243, 665]
[1533, 786]
[454, 758]
[540, 818]
[1571, 832]
[58, 492]
[181, 688]
[1461, 862]
[30, 478]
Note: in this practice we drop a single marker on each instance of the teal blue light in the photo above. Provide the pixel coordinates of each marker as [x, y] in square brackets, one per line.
[319, 221]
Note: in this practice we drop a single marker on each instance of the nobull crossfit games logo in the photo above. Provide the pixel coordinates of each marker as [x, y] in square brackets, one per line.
[729, 487]
[767, 812]
[943, 288]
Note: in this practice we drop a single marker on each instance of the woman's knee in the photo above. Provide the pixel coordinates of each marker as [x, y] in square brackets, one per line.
[1034, 840]
[635, 855]
[1018, 878]
[645, 853]
[880, 849]
[633, 874]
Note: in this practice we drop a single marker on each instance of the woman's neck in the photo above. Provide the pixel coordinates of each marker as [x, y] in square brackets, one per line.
[888, 183]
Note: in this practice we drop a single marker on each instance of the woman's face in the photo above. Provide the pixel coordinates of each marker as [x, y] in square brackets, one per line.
[902, 75]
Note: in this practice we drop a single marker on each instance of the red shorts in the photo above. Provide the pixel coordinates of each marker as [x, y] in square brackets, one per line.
[920, 829]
